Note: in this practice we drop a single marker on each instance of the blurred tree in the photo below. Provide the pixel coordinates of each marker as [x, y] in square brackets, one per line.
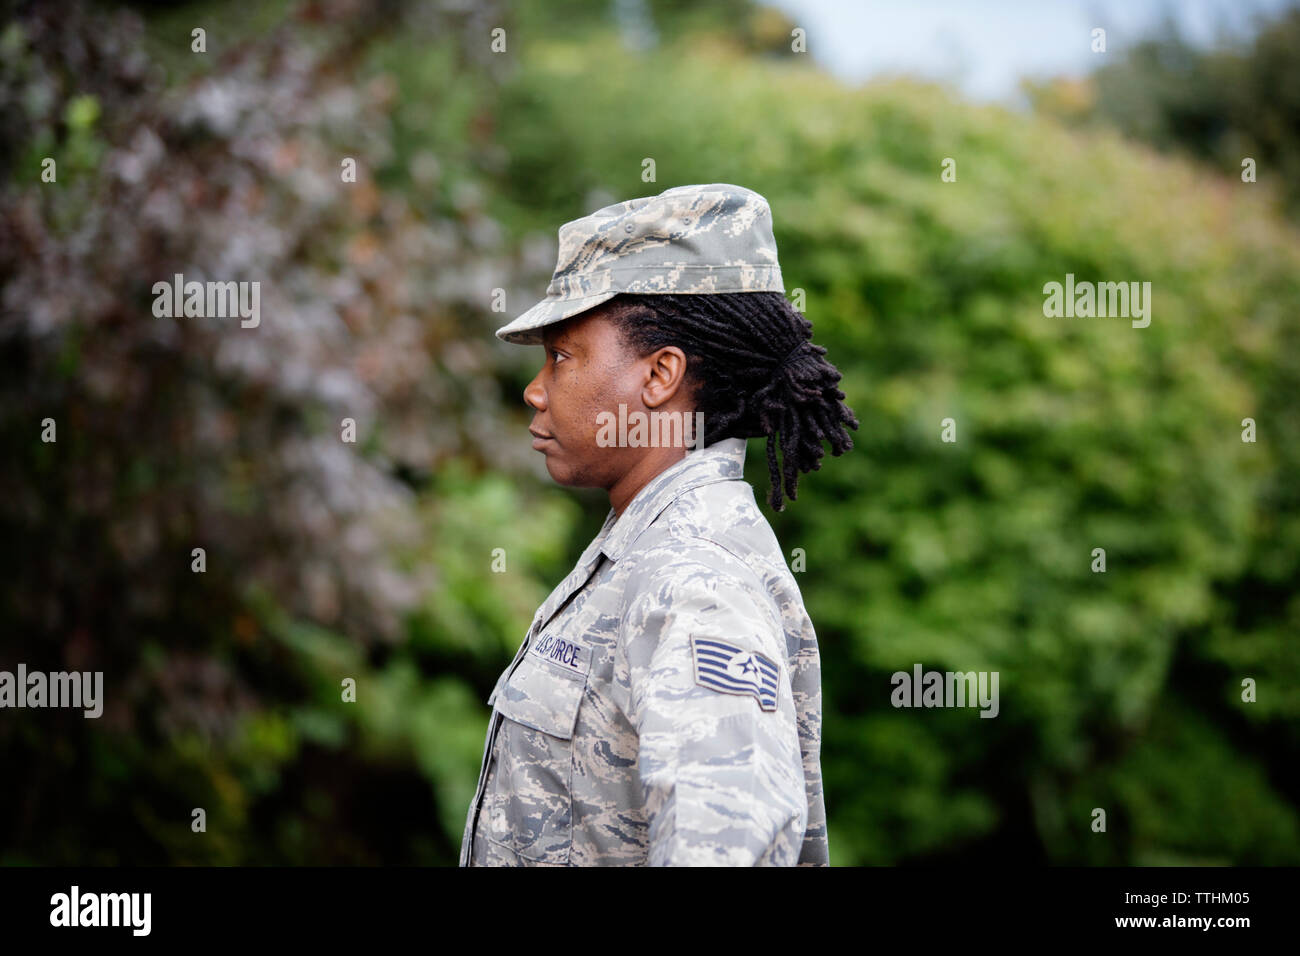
[1239, 99]
[192, 432]
[1074, 434]
[328, 560]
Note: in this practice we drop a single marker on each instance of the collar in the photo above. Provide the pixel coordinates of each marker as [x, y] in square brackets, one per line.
[722, 461]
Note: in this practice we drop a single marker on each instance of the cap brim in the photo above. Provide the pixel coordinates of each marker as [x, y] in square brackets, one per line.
[526, 330]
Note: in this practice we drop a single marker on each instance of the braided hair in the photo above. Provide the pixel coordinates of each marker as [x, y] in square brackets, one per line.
[754, 370]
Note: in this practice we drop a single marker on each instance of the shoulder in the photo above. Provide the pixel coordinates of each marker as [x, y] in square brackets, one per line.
[688, 570]
[697, 534]
[675, 561]
[717, 526]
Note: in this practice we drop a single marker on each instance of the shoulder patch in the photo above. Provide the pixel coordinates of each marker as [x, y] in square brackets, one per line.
[724, 667]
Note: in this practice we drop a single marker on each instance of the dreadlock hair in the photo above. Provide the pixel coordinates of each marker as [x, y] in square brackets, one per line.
[754, 371]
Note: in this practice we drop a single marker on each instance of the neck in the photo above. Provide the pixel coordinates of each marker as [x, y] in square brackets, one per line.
[641, 474]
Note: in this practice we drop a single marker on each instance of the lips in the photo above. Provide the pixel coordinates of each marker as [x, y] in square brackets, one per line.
[540, 439]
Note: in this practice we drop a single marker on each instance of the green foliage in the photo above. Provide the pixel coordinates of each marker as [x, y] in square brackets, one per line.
[224, 687]
[1120, 691]
[1073, 434]
[1222, 104]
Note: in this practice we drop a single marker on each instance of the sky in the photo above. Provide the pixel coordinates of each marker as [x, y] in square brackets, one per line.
[983, 47]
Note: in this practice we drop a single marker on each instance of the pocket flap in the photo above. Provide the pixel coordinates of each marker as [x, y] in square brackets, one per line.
[543, 697]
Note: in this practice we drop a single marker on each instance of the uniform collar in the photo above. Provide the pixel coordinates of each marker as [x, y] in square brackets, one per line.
[722, 461]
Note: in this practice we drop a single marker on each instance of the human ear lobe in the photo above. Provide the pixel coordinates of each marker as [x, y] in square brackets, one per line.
[667, 372]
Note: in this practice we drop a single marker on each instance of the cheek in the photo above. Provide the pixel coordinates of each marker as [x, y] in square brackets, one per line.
[583, 400]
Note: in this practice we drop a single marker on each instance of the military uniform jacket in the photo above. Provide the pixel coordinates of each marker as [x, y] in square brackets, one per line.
[665, 706]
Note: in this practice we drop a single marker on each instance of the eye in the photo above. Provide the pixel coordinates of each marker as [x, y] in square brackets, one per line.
[557, 355]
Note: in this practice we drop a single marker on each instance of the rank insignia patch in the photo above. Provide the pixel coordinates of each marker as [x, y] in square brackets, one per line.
[722, 666]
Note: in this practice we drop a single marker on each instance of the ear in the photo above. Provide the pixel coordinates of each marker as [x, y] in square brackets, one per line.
[665, 376]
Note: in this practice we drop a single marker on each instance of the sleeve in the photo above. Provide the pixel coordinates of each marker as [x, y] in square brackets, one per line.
[718, 755]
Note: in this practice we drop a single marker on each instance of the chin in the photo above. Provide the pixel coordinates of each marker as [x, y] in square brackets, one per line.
[559, 474]
[566, 476]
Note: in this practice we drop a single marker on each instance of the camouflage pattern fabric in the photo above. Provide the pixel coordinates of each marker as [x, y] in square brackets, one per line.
[700, 239]
[665, 706]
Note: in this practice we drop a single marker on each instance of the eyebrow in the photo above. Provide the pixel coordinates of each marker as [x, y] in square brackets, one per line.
[564, 340]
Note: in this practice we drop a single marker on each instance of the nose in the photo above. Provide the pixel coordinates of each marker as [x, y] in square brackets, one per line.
[534, 394]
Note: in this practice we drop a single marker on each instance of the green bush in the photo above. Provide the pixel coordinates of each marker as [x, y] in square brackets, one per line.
[1119, 691]
[1073, 434]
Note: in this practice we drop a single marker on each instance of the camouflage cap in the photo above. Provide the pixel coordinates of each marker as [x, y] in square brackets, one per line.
[702, 239]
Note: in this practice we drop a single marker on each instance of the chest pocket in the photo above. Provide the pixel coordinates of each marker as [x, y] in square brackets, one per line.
[530, 806]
